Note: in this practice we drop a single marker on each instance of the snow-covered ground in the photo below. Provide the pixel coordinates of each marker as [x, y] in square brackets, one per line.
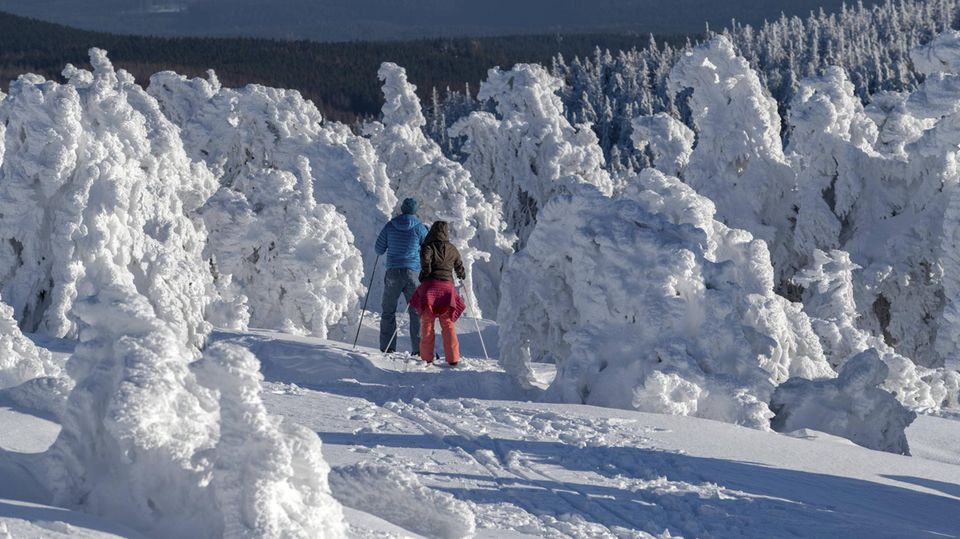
[439, 452]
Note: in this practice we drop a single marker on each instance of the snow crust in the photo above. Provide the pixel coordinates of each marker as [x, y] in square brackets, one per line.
[444, 189]
[851, 405]
[398, 496]
[528, 152]
[648, 303]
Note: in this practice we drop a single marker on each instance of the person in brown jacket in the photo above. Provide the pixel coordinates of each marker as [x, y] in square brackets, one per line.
[437, 297]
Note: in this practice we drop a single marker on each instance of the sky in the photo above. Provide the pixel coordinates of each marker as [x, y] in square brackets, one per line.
[346, 20]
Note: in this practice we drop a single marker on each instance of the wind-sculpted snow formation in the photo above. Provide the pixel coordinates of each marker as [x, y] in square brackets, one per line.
[940, 55]
[738, 161]
[260, 141]
[148, 442]
[648, 303]
[851, 406]
[528, 152]
[94, 178]
[444, 189]
[20, 359]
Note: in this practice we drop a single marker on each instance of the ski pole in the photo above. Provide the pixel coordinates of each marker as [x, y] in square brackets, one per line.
[476, 323]
[363, 311]
[396, 331]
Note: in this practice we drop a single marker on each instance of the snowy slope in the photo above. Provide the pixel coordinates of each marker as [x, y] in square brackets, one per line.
[460, 450]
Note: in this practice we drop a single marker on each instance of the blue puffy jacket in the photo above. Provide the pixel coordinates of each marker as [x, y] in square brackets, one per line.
[400, 239]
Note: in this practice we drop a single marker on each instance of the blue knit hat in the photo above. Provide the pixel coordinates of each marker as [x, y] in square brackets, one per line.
[409, 206]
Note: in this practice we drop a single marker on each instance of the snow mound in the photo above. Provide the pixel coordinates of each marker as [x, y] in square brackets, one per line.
[528, 153]
[270, 478]
[397, 495]
[46, 395]
[249, 136]
[738, 161]
[640, 308]
[444, 189]
[93, 173]
[20, 359]
[851, 406]
[942, 54]
[293, 260]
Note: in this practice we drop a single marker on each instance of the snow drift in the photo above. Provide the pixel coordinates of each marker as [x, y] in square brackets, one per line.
[648, 303]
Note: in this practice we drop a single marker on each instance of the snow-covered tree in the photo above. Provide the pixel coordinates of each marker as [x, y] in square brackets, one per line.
[852, 406]
[738, 161]
[668, 140]
[293, 259]
[256, 134]
[269, 476]
[444, 189]
[149, 442]
[20, 359]
[528, 153]
[93, 174]
[648, 303]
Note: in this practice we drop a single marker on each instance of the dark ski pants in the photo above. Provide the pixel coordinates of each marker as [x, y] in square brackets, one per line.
[398, 281]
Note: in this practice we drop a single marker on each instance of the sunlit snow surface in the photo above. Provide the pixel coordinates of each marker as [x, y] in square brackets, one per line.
[435, 452]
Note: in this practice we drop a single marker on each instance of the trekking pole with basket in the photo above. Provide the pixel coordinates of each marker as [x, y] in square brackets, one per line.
[363, 311]
[463, 287]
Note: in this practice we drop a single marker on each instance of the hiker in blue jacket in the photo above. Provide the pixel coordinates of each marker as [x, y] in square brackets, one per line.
[400, 239]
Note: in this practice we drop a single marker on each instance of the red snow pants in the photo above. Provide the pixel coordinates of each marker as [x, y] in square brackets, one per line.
[428, 335]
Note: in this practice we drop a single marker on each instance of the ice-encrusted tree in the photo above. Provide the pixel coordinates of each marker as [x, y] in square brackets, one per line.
[150, 443]
[93, 172]
[668, 140]
[528, 152]
[258, 134]
[20, 359]
[647, 302]
[292, 259]
[417, 168]
[269, 476]
[738, 161]
[852, 406]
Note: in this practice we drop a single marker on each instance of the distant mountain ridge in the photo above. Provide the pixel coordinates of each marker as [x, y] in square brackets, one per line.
[347, 20]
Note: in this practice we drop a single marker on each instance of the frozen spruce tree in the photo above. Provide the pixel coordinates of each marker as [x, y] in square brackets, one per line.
[293, 259]
[93, 173]
[648, 303]
[269, 476]
[256, 135]
[669, 142]
[738, 161]
[148, 442]
[20, 359]
[528, 152]
[444, 189]
[852, 406]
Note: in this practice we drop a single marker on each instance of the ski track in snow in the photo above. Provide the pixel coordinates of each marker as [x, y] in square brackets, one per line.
[472, 450]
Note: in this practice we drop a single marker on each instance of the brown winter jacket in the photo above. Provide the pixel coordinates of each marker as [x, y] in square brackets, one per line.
[439, 259]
